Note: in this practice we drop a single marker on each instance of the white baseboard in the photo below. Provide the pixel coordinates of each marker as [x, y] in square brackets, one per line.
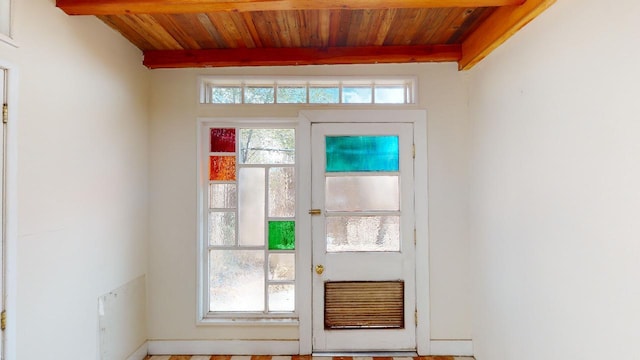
[141, 353]
[452, 347]
[223, 347]
[260, 347]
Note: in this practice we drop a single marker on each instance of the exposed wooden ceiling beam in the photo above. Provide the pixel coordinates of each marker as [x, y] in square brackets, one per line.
[120, 7]
[499, 27]
[156, 59]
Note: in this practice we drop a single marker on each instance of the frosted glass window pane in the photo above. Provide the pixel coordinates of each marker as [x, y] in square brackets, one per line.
[282, 192]
[222, 168]
[390, 95]
[363, 233]
[222, 228]
[222, 196]
[292, 95]
[251, 206]
[282, 266]
[267, 146]
[258, 95]
[226, 95]
[357, 94]
[324, 95]
[282, 297]
[362, 193]
[362, 153]
[237, 280]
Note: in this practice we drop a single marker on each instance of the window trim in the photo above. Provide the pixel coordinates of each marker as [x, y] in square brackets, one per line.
[410, 84]
[8, 38]
[203, 316]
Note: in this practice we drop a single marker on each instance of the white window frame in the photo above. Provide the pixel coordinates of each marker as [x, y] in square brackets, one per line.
[7, 9]
[207, 83]
[204, 316]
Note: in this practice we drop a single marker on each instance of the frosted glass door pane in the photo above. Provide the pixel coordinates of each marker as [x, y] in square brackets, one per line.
[362, 193]
[282, 297]
[237, 280]
[282, 192]
[251, 210]
[363, 233]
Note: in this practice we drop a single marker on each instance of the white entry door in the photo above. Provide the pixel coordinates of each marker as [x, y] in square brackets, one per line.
[364, 287]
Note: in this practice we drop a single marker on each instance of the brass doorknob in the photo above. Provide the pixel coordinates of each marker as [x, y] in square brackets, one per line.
[319, 269]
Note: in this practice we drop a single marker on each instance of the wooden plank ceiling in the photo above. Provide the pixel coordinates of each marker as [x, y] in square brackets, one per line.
[216, 33]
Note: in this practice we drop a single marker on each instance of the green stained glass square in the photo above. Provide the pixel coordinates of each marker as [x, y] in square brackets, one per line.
[282, 235]
[362, 153]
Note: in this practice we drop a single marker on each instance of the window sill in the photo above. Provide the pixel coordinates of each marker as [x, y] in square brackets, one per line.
[240, 321]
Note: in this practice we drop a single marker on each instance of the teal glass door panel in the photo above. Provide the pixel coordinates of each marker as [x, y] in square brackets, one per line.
[362, 153]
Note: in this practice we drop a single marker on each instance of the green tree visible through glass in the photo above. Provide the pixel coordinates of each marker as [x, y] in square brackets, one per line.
[292, 95]
[258, 95]
[226, 95]
[324, 95]
[267, 146]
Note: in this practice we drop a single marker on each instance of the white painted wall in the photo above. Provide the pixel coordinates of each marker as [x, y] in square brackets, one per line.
[172, 261]
[122, 317]
[82, 176]
[555, 188]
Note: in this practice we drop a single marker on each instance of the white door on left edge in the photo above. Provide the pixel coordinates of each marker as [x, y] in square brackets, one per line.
[363, 237]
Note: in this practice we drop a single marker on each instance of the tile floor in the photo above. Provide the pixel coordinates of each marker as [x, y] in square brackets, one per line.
[302, 357]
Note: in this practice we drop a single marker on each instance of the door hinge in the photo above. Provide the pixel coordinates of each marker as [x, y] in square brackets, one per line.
[5, 113]
[3, 320]
[416, 314]
[413, 149]
[415, 237]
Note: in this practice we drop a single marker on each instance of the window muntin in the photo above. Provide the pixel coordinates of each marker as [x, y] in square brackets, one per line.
[250, 222]
[307, 90]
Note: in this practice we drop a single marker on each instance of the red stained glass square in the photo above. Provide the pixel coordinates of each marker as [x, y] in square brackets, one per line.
[223, 140]
[222, 168]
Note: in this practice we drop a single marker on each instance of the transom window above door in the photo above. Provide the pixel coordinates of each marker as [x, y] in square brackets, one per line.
[336, 90]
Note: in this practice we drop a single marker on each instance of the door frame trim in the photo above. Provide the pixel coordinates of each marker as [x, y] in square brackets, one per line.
[11, 226]
[419, 120]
